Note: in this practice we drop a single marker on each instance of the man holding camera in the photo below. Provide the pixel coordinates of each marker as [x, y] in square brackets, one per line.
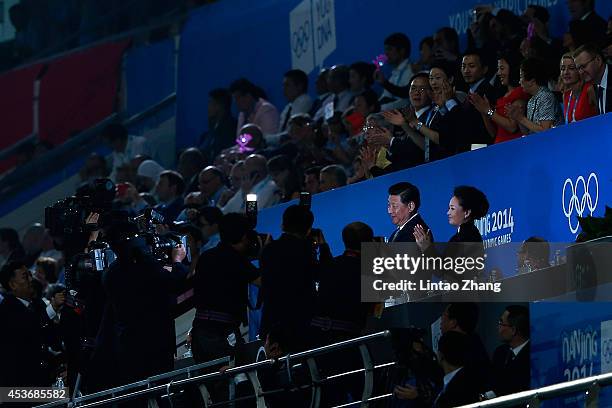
[289, 266]
[140, 294]
[221, 289]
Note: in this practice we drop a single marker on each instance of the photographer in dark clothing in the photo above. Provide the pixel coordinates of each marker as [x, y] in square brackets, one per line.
[138, 320]
[221, 289]
[289, 267]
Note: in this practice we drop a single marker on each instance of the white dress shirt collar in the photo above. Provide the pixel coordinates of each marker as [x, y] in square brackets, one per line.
[448, 377]
[516, 350]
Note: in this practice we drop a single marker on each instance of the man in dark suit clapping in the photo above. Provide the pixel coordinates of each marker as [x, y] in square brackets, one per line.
[403, 206]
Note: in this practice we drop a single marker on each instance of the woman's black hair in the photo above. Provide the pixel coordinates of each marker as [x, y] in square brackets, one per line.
[470, 198]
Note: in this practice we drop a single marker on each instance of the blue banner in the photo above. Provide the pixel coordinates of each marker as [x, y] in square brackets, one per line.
[261, 40]
[570, 341]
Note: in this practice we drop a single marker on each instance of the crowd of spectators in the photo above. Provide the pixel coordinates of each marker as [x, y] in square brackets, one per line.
[364, 122]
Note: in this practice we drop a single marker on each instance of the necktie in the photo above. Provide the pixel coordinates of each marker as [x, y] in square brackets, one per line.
[287, 117]
[392, 237]
[336, 99]
[600, 99]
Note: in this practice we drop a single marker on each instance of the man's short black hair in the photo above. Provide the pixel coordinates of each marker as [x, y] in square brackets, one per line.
[355, 233]
[518, 317]
[299, 78]
[297, 219]
[115, 131]
[211, 214]
[245, 87]
[371, 99]
[338, 172]
[8, 272]
[407, 192]
[424, 75]
[399, 41]
[233, 227]
[364, 70]
[466, 315]
[454, 347]
[222, 96]
[539, 12]
[174, 179]
[478, 53]
[10, 236]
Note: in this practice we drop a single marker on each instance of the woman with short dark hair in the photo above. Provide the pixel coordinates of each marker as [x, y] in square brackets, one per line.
[543, 111]
[466, 205]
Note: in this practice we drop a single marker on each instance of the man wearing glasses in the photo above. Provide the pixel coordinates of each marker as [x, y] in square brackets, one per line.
[590, 62]
[511, 359]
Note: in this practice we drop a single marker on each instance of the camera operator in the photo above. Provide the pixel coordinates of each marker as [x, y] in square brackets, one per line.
[140, 296]
[221, 289]
[289, 267]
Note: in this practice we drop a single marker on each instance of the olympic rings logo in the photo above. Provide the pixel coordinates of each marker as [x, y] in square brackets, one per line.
[300, 39]
[579, 203]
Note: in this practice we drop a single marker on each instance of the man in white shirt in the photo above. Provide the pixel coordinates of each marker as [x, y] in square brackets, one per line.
[125, 147]
[397, 50]
[340, 95]
[295, 88]
[255, 180]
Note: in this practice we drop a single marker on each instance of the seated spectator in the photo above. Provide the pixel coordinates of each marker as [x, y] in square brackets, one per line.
[460, 387]
[539, 16]
[130, 199]
[46, 271]
[253, 107]
[321, 90]
[10, 246]
[397, 50]
[593, 68]
[361, 77]
[94, 168]
[415, 146]
[592, 26]
[209, 218]
[295, 89]
[511, 361]
[579, 97]
[533, 254]
[255, 180]
[147, 175]
[221, 125]
[32, 243]
[446, 45]
[495, 118]
[338, 145]
[358, 171]
[235, 181]
[190, 163]
[125, 147]
[285, 176]
[332, 177]
[311, 179]
[543, 111]
[426, 55]
[170, 189]
[211, 183]
[339, 98]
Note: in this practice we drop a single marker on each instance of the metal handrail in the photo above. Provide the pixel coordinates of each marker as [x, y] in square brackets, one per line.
[56, 158]
[548, 392]
[173, 385]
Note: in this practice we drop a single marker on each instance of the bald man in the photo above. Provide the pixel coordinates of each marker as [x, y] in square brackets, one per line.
[255, 180]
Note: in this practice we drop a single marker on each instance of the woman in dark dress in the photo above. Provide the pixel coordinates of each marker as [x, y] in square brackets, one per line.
[467, 204]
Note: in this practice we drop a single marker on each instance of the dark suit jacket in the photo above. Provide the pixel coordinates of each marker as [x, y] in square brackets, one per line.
[608, 91]
[406, 233]
[22, 348]
[511, 374]
[461, 390]
[170, 211]
[463, 125]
